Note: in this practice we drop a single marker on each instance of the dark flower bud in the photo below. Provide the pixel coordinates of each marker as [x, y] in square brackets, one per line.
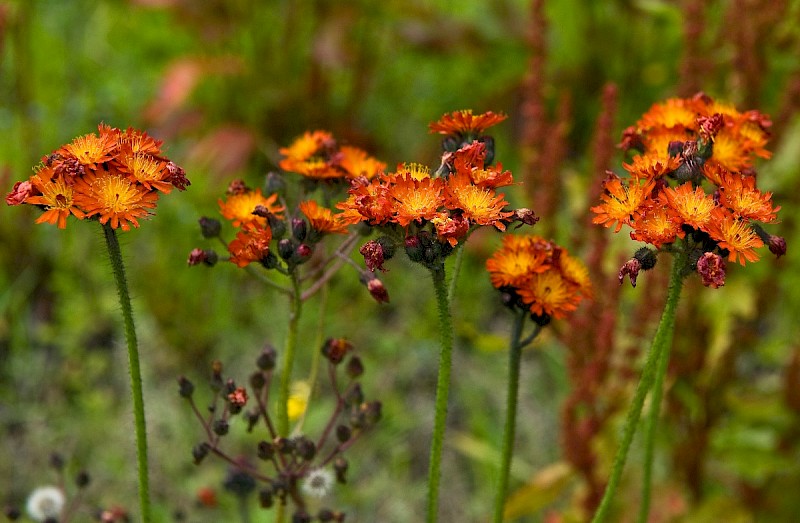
[325, 515]
[631, 139]
[82, 479]
[199, 452]
[354, 367]
[305, 448]
[711, 268]
[340, 466]
[372, 411]
[301, 516]
[524, 217]
[177, 176]
[266, 360]
[777, 245]
[299, 229]
[335, 349]
[185, 387]
[12, 513]
[378, 290]
[343, 433]
[280, 487]
[542, 320]
[286, 249]
[236, 187]
[239, 482]
[414, 248]
[647, 257]
[257, 381]
[450, 144]
[265, 498]
[205, 256]
[265, 450]
[57, 461]
[355, 395]
[489, 142]
[284, 445]
[220, 427]
[252, 419]
[304, 252]
[209, 227]
[269, 261]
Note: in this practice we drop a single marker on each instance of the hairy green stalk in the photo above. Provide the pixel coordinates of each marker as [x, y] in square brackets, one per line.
[653, 366]
[115, 255]
[288, 356]
[509, 431]
[442, 391]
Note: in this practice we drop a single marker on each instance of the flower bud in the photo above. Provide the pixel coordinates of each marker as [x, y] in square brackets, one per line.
[199, 452]
[205, 256]
[777, 245]
[265, 498]
[305, 448]
[286, 249]
[299, 229]
[220, 427]
[711, 268]
[257, 381]
[335, 349]
[266, 360]
[354, 367]
[340, 466]
[185, 387]
[209, 227]
[265, 450]
[82, 479]
[631, 268]
[343, 433]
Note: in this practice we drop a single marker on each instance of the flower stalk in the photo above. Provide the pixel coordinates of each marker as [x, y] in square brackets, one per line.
[288, 356]
[115, 255]
[442, 390]
[514, 359]
[653, 373]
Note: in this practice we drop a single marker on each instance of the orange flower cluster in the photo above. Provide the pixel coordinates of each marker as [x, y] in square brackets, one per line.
[114, 176]
[316, 155]
[411, 197]
[539, 276]
[694, 176]
[464, 123]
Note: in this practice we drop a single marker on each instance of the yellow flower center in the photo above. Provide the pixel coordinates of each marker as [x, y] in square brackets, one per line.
[116, 194]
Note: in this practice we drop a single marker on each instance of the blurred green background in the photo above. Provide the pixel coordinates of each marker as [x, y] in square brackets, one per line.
[225, 83]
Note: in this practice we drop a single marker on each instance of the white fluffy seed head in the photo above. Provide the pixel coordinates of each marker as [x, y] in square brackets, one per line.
[45, 502]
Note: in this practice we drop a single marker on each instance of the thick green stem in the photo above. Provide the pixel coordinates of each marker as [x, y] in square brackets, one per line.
[659, 346]
[442, 391]
[514, 359]
[288, 357]
[664, 345]
[115, 254]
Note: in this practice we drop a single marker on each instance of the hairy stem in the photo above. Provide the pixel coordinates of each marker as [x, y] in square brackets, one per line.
[115, 255]
[509, 431]
[442, 390]
[662, 338]
[288, 357]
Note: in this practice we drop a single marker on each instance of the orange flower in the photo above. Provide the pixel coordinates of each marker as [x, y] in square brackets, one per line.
[740, 195]
[251, 244]
[151, 172]
[735, 235]
[693, 206]
[672, 113]
[651, 166]
[416, 171]
[450, 228]
[492, 177]
[115, 198]
[576, 272]
[464, 122]
[239, 207]
[480, 205]
[515, 262]
[358, 163]
[135, 142]
[414, 200]
[57, 197]
[368, 201]
[310, 155]
[90, 149]
[549, 293]
[620, 202]
[657, 224]
[321, 219]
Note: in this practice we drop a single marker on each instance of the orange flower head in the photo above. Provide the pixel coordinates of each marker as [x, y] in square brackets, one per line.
[549, 293]
[311, 155]
[367, 201]
[621, 201]
[358, 163]
[479, 205]
[573, 270]
[740, 195]
[734, 235]
[251, 244]
[115, 198]
[692, 205]
[90, 149]
[515, 262]
[672, 113]
[731, 150]
[414, 200]
[239, 207]
[321, 219]
[148, 171]
[136, 142]
[652, 166]
[492, 177]
[450, 228]
[656, 141]
[57, 197]
[464, 123]
[657, 224]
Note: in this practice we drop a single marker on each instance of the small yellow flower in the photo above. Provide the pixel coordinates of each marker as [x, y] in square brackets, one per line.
[298, 399]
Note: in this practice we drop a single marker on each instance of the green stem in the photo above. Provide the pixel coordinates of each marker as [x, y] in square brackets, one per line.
[288, 357]
[115, 254]
[442, 391]
[514, 359]
[664, 344]
[661, 340]
[317, 355]
[456, 270]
